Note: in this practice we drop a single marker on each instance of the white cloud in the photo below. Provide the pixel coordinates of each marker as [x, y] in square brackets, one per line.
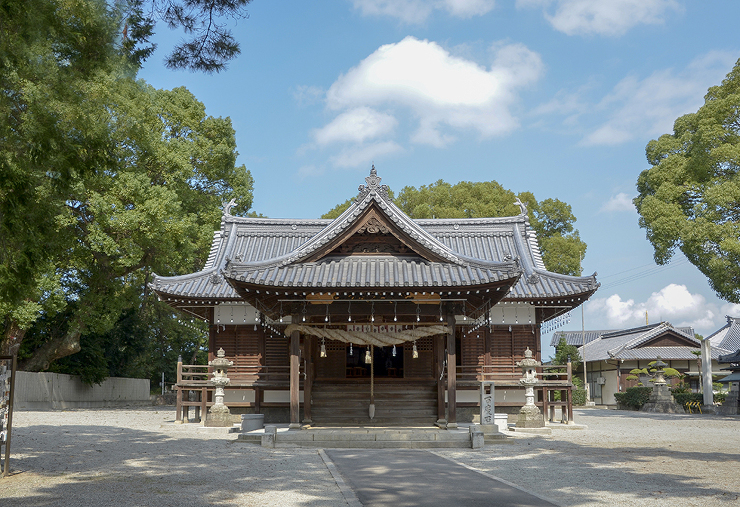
[647, 108]
[673, 303]
[439, 89]
[362, 155]
[356, 125]
[602, 17]
[307, 95]
[308, 171]
[731, 309]
[619, 202]
[417, 11]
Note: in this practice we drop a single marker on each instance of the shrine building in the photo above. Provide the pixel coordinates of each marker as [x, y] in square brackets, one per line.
[323, 318]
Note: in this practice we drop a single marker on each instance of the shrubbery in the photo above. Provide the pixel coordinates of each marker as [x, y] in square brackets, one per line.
[683, 398]
[579, 397]
[633, 398]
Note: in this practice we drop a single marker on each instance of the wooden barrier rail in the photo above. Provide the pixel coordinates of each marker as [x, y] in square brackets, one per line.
[193, 381]
[194, 388]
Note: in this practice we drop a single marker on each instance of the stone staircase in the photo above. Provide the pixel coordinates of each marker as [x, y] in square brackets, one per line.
[365, 438]
[396, 404]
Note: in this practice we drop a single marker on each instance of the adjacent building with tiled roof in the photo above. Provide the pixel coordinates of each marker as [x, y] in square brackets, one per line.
[611, 355]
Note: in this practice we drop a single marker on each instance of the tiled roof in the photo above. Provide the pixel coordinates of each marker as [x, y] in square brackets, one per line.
[665, 353]
[375, 271]
[576, 337]
[466, 252]
[728, 336]
[620, 344]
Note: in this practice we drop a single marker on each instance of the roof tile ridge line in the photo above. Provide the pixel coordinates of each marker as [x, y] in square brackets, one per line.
[315, 242]
[472, 220]
[509, 266]
[281, 221]
[630, 330]
[726, 328]
[409, 222]
[219, 263]
[524, 251]
[552, 274]
[534, 269]
[340, 223]
[651, 333]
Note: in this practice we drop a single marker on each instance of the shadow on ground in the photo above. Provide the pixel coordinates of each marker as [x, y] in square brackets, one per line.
[107, 465]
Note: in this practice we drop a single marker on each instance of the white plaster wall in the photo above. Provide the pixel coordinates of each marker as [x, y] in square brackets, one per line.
[609, 388]
[500, 396]
[238, 395]
[280, 396]
[47, 391]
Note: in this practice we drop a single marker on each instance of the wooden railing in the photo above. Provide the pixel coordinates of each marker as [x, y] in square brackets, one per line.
[195, 389]
[548, 374]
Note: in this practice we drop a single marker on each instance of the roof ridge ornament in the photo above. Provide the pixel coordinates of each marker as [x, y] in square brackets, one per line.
[522, 206]
[373, 186]
[227, 206]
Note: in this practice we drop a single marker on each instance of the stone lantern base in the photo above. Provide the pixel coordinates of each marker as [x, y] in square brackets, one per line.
[530, 417]
[661, 401]
[220, 416]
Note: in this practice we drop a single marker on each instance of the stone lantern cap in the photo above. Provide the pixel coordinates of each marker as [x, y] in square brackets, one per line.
[659, 379]
[528, 361]
[528, 365]
[221, 362]
[220, 365]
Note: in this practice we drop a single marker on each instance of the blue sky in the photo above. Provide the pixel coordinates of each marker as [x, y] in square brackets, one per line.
[556, 97]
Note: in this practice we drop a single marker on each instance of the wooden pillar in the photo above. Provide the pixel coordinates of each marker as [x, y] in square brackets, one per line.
[257, 400]
[439, 349]
[548, 410]
[308, 380]
[294, 381]
[178, 403]
[451, 373]
[570, 405]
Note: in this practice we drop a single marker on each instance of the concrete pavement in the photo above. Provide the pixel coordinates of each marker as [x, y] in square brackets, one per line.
[412, 478]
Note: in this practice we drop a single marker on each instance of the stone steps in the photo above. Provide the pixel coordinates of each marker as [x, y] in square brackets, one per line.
[367, 438]
[342, 404]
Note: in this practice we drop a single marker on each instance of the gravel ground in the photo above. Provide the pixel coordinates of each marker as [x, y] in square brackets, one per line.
[132, 457]
[625, 459]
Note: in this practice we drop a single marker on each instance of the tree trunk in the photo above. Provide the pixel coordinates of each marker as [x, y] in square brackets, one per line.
[12, 338]
[50, 351]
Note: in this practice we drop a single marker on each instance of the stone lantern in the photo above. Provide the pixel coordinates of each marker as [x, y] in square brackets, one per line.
[661, 399]
[219, 414]
[659, 370]
[529, 415]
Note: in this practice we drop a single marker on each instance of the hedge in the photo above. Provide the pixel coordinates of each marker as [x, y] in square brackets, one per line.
[633, 398]
[579, 397]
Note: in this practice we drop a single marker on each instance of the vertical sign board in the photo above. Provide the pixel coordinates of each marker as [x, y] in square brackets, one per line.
[7, 384]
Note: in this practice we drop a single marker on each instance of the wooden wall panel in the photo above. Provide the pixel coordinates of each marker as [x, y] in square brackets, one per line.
[241, 344]
[473, 350]
[507, 347]
[423, 366]
[277, 351]
[334, 364]
[501, 349]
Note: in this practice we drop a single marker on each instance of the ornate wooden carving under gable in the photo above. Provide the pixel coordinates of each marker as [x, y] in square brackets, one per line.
[373, 226]
[373, 234]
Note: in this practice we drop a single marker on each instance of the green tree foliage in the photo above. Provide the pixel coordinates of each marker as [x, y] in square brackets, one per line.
[633, 398]
[689, 199]
[210, 44]
[561, 246]
[105, 180]
[563, 351]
